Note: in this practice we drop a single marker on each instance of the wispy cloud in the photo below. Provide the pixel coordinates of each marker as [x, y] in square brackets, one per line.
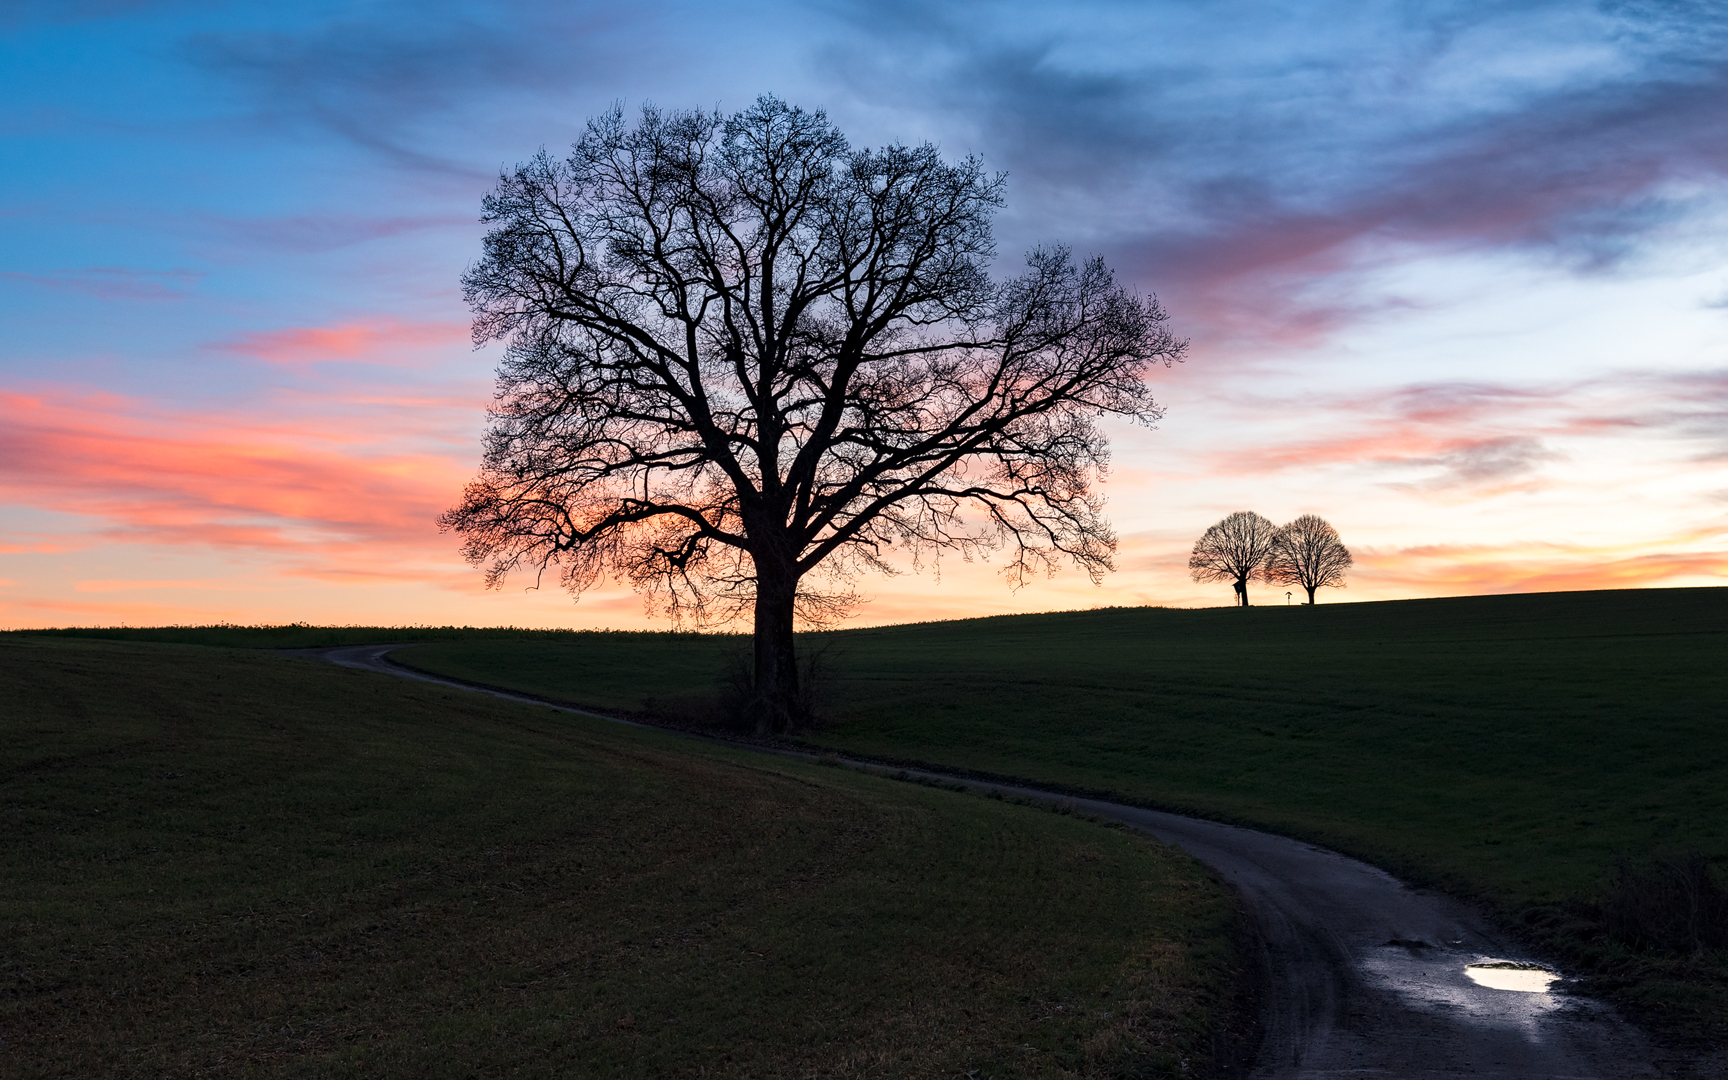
[378, 77]
[1486, 437]
[1549, 567]
[113, 282]
[318, 233]
[303, 404]
[204, 482]
[1496, 462]
[1233, 174]
[108, 585]
[387, 341]
[47, 547]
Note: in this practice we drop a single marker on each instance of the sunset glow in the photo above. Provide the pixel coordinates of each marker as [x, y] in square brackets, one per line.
[1454, 281]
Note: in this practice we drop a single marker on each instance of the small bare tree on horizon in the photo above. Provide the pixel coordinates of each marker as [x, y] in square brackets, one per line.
[742, 353]
[1234, 550]
[1309, 553]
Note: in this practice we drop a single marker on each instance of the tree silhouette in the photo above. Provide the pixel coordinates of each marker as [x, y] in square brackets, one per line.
[1307, 552]
[743, 356]
[1233, 550]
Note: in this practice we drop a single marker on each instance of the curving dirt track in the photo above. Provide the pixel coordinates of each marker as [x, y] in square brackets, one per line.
[1363, 975]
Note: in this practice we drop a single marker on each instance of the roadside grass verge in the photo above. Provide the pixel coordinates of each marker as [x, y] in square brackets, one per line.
[1527, 751]
[228, 863]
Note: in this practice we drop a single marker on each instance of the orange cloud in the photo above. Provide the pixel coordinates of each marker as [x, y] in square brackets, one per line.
[42, 611]
[1439, 569]
[34, 549]
[321, 500]
[194, 479]
[124, 585]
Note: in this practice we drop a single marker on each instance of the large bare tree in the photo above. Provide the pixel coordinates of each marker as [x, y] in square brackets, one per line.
[1308, 552]
[744, 357]
[1234, 550]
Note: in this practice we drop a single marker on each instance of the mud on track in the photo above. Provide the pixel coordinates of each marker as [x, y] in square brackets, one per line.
[1363, 975]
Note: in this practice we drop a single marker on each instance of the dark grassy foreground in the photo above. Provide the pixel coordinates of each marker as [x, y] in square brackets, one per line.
[219, 863]
[1513, 749]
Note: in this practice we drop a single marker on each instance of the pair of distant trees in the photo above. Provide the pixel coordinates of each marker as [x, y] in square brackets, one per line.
[1246, 547]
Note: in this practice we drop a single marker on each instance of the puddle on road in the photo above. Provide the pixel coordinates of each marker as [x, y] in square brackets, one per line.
[1460, 985]
[1502, 975]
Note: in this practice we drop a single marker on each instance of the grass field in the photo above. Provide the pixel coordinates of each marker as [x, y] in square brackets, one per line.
[1513, 749]
[1508, 748]
[222, 863]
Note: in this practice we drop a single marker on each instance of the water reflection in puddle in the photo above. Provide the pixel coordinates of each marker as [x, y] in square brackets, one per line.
[1464, 986]
[1506, 976]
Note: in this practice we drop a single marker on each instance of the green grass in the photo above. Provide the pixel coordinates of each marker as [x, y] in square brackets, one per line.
[222, 863]
[1508, 748]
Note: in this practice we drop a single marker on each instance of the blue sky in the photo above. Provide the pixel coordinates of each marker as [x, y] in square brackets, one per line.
[1453, 274]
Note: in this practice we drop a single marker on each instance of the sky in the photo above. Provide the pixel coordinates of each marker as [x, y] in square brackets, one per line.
[1453, 274]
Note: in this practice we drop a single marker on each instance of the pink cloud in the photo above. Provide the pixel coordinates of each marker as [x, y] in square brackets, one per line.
[342, 490]
[1482, 437]
[1580, 178]
[373, 341]
[201, 480]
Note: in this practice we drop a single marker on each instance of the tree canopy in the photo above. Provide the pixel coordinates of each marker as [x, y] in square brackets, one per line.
[743, 354]
[1234, 550]
[1308, 552]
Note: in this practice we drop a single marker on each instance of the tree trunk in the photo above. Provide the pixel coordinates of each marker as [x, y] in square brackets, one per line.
[775, 704]
[1242, 593]
[1311, 589]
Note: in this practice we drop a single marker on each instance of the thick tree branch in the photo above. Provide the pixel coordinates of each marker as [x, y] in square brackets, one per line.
[740, 352]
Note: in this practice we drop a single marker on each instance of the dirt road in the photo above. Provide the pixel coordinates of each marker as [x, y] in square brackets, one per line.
[1364, 976]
